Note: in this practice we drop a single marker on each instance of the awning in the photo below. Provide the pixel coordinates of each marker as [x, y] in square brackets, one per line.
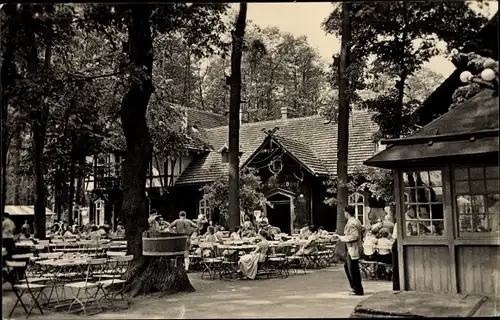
[396, 155]
[25, 211]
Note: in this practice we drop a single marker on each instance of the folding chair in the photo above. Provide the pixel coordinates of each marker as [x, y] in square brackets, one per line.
[118, 266]
[211, 264]
[229, 264]
[279, 262]
[14, 270]
[94, 266]
[295, 261]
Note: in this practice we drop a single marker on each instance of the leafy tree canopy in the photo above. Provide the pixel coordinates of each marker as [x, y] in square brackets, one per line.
[251, 197]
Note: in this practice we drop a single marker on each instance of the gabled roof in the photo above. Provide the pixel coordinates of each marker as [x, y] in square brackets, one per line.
[315, 132]
[467, 130]
[298, 151]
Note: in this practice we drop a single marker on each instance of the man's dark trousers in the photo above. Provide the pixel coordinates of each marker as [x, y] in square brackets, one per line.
[351, 267]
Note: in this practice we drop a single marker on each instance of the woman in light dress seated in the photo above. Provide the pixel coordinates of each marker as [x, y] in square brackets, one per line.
[312, 243]
[235, 235]
[248, 263]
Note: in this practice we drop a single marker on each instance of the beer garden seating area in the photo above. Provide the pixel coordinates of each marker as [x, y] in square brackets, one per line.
[220, 260]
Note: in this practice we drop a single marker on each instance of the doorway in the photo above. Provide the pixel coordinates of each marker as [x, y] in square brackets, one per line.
[279, 215]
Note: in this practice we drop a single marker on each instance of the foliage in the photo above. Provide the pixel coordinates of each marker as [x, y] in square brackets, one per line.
[278, 70]
[379, 182]
[250, 195]
[400, 37]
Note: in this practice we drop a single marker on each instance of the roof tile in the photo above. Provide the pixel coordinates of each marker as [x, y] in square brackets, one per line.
[314, 132]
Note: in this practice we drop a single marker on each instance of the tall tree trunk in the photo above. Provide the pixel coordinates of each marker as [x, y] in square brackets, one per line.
[234, 118]
[72, 177]
[40, 113]
[16, 158]
[400, 85]
[133, 117]
[343, 121]
[148, 274]
[7, 69]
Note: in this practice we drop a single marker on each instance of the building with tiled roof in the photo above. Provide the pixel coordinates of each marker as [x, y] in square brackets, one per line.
[312, 139]
[293, 156]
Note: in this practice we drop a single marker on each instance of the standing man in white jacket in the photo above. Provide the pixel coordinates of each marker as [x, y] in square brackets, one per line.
[353, 237]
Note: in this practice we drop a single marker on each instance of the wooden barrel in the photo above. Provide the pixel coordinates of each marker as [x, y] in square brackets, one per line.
[163, 244]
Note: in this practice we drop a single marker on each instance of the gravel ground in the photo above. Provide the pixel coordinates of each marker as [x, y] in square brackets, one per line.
[317, 294]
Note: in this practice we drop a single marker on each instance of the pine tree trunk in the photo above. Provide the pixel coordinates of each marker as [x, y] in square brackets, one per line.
[72, 177]
[8, 48]
[234, 118]
[148, 274]
[40, 113]
[343, 122]
[16, 157]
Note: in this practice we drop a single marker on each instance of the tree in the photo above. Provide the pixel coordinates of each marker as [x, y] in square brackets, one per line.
[251, 197]
[9, 27]
[278, 70]
[401, 36]
[200, 26]
[343, 120]
[234, 117]
[377, 181]
[37, 30]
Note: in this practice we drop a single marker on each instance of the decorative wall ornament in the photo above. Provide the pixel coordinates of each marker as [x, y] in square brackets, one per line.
[299, 176]
[275, 166]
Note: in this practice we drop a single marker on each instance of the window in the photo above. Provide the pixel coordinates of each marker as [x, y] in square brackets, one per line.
[357, 200]
[99, 212]
[424, 211]
[204, 208]
[477, 194]
[173, 170]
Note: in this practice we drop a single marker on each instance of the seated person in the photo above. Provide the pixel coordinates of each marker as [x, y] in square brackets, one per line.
[211, 236]
[305, 232]
[312, 243]
[247, 223]
[248, 263]
[322, 232]
[102, 231]
[120, 232]
[25, 235]
[220, 232]
[384, 246]
[194, 236]
[235, 235]
[369, 245]
[248, 232]
[68, 234]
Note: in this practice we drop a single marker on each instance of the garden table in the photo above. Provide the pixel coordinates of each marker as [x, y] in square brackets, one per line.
[54, 269]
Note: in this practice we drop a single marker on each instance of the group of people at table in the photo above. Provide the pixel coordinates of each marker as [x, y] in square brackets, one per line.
[260, 233]
[12, 239]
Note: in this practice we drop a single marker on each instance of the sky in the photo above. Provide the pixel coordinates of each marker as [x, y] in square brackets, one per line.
[305, 19]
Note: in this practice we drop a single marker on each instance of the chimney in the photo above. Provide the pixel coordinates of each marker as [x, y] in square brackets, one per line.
[286, 113]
